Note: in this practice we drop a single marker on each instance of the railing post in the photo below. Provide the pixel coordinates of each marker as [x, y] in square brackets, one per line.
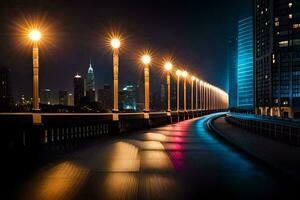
[115, 126]
[34, 136]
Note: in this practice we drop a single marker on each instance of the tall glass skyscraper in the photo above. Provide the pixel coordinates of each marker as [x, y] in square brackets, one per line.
[245, 64]
[90, 84]
[277, 57]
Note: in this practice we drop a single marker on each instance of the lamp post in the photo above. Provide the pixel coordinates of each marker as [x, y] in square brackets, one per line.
[178, 74]
[35, 36]
[197, 100]
[115, 44]
[201, 95]
[168, 66]
[192, 92]
[184, 75]
[146, 59]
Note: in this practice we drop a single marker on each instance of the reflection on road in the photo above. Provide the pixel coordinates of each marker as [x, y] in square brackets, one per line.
[176, 161]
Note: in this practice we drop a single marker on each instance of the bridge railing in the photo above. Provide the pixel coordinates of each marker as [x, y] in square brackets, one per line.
[20, 131]
[279, 130]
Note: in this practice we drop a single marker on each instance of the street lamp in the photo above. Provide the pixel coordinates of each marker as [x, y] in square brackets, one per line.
[197, 100]
[115, 44]
[192, 93]
[35, 36]
[184, 75]
[168, 66]
[146, 59]
[178, 74]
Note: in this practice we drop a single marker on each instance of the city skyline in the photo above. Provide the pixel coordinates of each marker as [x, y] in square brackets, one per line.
[93, 47]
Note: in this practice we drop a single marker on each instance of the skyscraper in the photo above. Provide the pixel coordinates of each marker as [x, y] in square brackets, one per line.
[90, 85]
[128, 98]
[47, 97]
[105, 98]
[6, 100]
[245, 64]
[78, 89]
[232, 68]
[277, 57]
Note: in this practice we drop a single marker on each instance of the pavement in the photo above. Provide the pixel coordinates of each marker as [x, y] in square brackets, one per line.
[177, 161]
[276, 120]
[282, 156]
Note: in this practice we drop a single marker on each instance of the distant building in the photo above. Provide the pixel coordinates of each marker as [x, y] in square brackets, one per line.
[70, 99]
[163, 96]
[46, 97]
[79, 88]
[232, 71]
[128, 98]
[277, 57]
[63, 98]
[245, 64]
[140, 93]
[105, 98]
[90, 85]
[6, 100]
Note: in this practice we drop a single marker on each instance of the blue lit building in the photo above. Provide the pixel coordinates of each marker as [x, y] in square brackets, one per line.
[90, 84]
[128, 98]
[245, 64]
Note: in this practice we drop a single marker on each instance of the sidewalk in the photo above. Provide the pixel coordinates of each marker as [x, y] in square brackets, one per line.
[279, 155]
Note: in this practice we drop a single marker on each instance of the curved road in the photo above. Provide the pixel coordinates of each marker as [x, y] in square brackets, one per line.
[178, 161]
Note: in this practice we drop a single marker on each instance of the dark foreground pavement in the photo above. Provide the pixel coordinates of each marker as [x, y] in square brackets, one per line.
[178, 161]
[283, 156]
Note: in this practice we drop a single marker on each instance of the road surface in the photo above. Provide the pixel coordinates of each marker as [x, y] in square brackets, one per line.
[178, 161]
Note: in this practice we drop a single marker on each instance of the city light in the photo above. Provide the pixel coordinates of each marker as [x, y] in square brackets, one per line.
[146, 59]
[193, 78]
[178, 72]
[168, 66]
[115, 43]
[35, 35]
[184, 74]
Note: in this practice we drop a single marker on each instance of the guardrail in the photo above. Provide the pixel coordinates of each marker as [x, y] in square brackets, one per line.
[19, 130]
[276, 129]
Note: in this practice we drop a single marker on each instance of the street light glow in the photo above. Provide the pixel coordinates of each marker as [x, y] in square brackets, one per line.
[168, 66]
[146, 59]
[178, 72]
[193, 78]
[115, 43]
[197, 80]
[184, 74]
[35, 35]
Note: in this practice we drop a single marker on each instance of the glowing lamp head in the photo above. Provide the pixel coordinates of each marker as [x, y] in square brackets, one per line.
[197, 80]
[193, 78]
[115, 43]
[184, 74]
[178, 73]
[168, 66]
[146, 59]
[35, 35]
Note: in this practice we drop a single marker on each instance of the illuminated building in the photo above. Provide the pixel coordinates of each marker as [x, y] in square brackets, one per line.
[47, 97]
[90, 84]
[277, 58]
[245, 64]
[78, 89]
[128, 98]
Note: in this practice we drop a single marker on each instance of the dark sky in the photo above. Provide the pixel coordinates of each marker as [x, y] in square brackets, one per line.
[194, 32]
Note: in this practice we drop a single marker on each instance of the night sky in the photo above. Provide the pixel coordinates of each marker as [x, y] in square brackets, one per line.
[195, 33]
